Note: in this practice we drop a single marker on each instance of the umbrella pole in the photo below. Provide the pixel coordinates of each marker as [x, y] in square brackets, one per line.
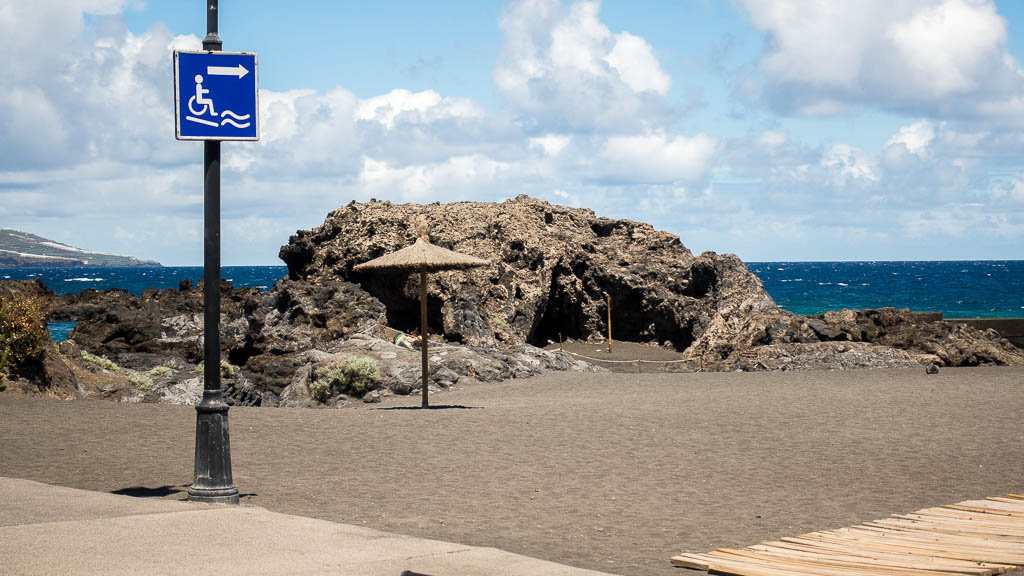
[423, 334]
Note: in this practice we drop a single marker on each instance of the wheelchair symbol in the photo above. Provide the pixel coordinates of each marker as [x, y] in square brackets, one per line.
[201, 99]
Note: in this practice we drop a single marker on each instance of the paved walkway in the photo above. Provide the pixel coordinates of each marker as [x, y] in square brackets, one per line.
[51, 530]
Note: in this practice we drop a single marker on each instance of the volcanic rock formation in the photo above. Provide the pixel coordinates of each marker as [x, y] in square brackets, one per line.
[555, 268]
[553, 272]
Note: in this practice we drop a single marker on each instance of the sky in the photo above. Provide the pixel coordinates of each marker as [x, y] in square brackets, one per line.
[780, 130]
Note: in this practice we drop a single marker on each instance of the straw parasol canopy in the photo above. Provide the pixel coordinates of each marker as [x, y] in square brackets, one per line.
[422, 257]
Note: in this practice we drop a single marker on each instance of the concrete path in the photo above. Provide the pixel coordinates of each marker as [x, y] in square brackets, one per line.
[51, 530]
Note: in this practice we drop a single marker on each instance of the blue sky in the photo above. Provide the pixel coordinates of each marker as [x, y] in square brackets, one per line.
[783, 130]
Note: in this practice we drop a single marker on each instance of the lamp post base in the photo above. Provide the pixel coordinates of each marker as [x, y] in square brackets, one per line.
[212, 481]
[213, 496]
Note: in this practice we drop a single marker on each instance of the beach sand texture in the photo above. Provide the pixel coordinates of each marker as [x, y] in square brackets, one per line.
[614, 472]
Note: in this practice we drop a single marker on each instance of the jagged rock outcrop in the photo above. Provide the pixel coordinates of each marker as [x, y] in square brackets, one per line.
[165, 322]
[953, 344]
[269, 339]
[552, 269]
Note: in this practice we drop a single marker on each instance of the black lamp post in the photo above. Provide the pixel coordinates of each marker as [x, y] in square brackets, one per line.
[212, 479]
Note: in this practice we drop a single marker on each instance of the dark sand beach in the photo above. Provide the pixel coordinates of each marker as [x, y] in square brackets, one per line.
[614, 472]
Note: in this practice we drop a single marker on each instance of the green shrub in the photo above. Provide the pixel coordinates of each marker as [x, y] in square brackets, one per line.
[23, 330]
[499, 322]
[141, 381]
[100, 361]
[354, 376]
[158, 371]
[226, 370]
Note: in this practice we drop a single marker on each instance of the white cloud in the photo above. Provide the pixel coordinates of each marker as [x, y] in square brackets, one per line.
[1012, 191]
[565, 68]
[457, 178]
[915, 137]
[947, 46]
[941, 57]
[551, 144]
[772, 139]
[585, 123]
[657, 158]
[634, 60]
[932, 223]
[415, 107]
[849, 164]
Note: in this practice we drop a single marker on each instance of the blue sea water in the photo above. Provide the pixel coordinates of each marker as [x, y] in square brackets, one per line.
[135, 280]
[961, 289]
[980, 289]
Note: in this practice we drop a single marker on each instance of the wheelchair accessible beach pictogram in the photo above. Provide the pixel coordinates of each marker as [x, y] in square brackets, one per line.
[216, 96]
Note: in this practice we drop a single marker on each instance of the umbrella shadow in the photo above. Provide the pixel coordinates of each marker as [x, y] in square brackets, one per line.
[439, 407]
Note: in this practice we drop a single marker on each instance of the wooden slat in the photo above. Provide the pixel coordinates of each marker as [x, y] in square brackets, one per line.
[813, 561]
[946, 528]
[940, 537]
[966, 524]
[971, 538]
[943, 565]
[937, 550]
[946, 564]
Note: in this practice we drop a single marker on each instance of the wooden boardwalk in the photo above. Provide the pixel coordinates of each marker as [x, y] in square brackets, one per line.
[976, 537]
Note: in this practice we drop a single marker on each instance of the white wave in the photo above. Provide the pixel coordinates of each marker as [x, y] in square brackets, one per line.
[83, 279]
[233, 115]
[843, 284]
[233, 123]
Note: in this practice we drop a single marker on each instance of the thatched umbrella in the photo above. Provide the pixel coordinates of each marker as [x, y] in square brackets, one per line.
[422, 257]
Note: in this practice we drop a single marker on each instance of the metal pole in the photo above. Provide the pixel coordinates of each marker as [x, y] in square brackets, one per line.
[609, 296]
[212, 479]
[423, 335]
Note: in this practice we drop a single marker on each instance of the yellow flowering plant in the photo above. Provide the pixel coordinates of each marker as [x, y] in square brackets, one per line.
[23, 332]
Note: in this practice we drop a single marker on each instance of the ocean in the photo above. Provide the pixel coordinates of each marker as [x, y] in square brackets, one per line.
[960, 289]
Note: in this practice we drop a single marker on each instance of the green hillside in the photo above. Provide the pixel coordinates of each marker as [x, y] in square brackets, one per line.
[24, 249]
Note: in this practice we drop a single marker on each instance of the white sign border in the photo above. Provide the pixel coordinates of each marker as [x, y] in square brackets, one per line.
[177, 100]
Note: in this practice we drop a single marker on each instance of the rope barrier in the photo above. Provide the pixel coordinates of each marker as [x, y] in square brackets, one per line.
[628, 361]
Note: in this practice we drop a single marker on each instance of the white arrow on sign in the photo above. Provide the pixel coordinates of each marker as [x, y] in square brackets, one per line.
[239, 71]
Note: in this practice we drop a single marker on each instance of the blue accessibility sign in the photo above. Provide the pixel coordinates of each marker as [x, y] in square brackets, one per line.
[216, 96]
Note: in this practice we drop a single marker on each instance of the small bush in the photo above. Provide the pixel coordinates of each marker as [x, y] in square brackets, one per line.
[158, 371]
[23, 330]
[141, 381]
[354, 376]
[226, 370]
[499, 322]
[100, 361]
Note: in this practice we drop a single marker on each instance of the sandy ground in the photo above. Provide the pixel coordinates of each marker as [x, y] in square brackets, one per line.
[624, 355]
[615, 472]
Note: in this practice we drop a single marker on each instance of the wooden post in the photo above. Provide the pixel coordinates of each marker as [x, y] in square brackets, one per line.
[639, 368]
[423, 335]
[609, 296]
[559, 341]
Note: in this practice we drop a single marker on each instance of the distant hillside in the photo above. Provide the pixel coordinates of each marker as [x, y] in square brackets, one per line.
[24, 249]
